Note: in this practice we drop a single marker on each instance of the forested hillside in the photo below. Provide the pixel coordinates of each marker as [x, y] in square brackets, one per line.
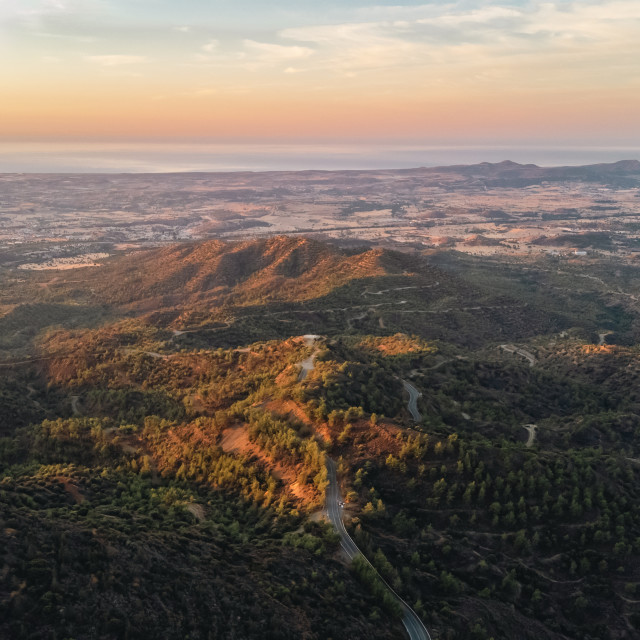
[166, 422]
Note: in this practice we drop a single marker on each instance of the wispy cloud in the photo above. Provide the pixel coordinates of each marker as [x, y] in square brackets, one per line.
[210, 46]
[259, 55]
[33, 11]
[205, 92]
[116, 60]
[251, 55]
[482, 43]
[484, 15]
[471, 56]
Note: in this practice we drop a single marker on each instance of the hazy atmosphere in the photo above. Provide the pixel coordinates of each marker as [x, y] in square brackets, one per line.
[159, 157]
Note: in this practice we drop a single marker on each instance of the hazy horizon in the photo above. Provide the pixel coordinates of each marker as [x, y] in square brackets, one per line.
[97, 157]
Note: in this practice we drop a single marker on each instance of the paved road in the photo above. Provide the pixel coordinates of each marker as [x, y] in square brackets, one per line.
[521, 352]
[531, 428]
[415, 629]
[74, 405]
[410, 620]
[602, 337]
[379, 293]
[414, 394]
[309, 363]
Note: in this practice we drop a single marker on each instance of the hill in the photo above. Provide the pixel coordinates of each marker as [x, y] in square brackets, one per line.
[509, 173]
[274, 269]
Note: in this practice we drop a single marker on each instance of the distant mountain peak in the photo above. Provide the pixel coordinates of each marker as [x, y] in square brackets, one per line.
[628, 165]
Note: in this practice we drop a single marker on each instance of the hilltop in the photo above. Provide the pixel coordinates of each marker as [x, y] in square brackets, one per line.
[280, 268]
[218, 274]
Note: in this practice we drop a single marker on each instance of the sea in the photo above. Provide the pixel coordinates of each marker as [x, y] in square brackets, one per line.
[100, 157]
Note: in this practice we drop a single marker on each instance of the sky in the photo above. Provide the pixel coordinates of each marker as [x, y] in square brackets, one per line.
[285, 71]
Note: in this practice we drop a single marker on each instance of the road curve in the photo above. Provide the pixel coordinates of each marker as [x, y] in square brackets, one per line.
[309, 363]
[531, 428]
[414, 626]
[521, 352]
[415, 629]
[414, 394]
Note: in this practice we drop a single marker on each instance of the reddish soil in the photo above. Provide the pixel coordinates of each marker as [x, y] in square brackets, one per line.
[71, 489]
[371, 441]
[236, 440]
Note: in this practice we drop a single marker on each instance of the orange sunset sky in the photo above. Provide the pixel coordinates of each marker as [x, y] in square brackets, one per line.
[297, 71]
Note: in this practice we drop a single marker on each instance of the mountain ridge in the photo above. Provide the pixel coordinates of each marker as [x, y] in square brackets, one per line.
[279, 268]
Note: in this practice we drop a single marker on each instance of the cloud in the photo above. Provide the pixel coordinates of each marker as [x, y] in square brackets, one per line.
[454, 43]
[116, 60]
[351, 47]
[30, 12]
[446, 46]
[255, 56]
[274, 53]
[485, 15]
[205, 92]
[210, 46]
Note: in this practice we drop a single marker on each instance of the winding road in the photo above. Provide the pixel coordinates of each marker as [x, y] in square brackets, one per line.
[531, 428]
[414, 394]
[333, 505]
[412, 623]
[74, 405]
[308, 364]
[521, 352]
[602, 337]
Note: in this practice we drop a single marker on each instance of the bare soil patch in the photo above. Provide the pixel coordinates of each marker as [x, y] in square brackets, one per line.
[236, 440]
[71, 489]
